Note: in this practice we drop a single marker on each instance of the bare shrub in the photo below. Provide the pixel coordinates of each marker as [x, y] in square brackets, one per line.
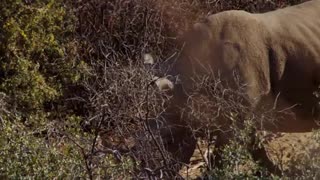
[126, 109]
[119, 96]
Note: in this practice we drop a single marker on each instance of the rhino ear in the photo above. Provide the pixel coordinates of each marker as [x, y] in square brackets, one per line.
[202, 30]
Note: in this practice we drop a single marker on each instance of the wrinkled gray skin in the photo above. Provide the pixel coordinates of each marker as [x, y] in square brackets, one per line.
[277, 55]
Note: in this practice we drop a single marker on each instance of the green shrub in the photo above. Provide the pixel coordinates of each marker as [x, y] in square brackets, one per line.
[37, 56]
[38, 67]
[25, 156]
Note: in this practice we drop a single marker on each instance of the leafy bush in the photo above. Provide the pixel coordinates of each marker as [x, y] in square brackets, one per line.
[25, 156]
[37, 52]
[38, 66]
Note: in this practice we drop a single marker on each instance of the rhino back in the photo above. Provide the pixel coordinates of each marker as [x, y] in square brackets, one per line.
[296, 29]
[294, 34]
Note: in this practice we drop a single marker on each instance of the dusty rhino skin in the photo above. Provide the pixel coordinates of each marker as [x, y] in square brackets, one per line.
[277, 55]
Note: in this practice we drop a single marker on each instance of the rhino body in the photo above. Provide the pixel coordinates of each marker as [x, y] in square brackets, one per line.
[277, 57]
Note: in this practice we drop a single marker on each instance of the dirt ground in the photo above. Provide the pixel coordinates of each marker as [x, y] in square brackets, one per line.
[282, 148]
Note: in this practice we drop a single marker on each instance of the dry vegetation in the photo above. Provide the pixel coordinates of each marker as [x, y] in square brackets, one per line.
[107, 123]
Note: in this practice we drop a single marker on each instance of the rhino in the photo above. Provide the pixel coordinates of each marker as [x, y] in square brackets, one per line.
[276, 56]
